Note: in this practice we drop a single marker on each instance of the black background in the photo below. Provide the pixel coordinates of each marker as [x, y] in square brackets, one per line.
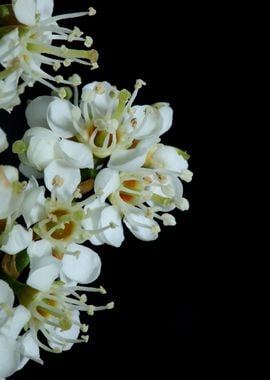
[158, 287]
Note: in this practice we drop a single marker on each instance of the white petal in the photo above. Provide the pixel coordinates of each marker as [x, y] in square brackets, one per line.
[30, 172]
[69, 179]
[127, 160]
[39, 249]
[72, 333]
[18, 239]
[132, 159]
[6, 298]
[84, 268]
[106, 182]
[3, 141]
[33, 206]
[8, 87]
[141, 227]
[16, 322]
[176, 189]
[10, 173]
[101, 102]
[59, 118]
[25, 11]
[6, 294]
[10, 200]
[76, 154]
[149, 122]
[166, 113]
[112, 236]
[30, 349]
[7, 54]
[96, 205]
[36, 111]
[167, 157]
[9, 356]
[43, 272]
[42, 151]
[44, 8]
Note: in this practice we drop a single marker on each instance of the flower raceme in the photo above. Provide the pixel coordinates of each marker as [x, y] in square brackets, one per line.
[93, 165]
[27, 33]
[103, 166]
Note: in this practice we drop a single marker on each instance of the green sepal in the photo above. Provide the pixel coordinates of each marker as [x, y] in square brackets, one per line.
[22, 261]
[185, 155]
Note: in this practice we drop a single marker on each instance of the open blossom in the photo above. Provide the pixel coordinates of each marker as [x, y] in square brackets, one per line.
[55, 314]
[106, 125]
[44, 154]
[15, 348]
[75, 264]
[102, 215]
[146, 194]
[26, 43]
[62, 223]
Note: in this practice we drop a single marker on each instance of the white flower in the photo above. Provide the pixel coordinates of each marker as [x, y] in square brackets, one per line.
[44, 268]
[55, 314]
[75, 264]
[106, 122]
[59, 222]
[144, 228]
[27, 45]
[43, 153]
[107, 220]
[142, 196]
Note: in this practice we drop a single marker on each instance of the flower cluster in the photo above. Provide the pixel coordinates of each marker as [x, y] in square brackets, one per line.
[92, 166]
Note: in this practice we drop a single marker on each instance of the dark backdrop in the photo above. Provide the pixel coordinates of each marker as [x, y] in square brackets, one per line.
[158, 287]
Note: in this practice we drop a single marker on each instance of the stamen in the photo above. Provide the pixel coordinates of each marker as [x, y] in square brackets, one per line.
[182, 204]
[186, 175]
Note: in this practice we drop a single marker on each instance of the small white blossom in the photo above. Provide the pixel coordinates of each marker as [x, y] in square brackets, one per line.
[141, 197]
[106, 123]
[55, 315]
[28, 44]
